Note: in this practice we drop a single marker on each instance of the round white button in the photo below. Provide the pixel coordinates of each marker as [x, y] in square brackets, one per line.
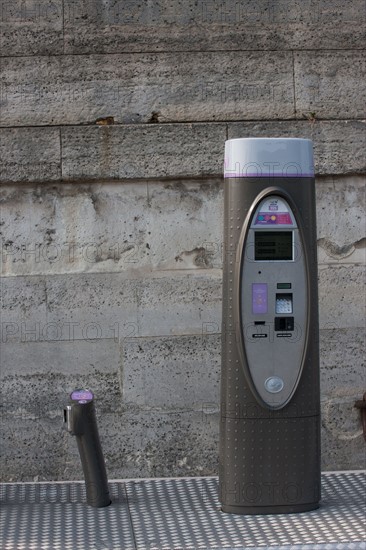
[274, 384]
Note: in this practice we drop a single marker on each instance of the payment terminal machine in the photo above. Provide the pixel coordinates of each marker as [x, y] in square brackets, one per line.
[269, 432]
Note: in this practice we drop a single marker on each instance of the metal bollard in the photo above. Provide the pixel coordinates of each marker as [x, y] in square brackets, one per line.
[81, 421]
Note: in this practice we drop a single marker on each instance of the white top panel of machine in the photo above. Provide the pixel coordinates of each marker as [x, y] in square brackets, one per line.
[268, 157]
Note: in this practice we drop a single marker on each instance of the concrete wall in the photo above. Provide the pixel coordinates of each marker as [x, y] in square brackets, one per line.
[111, 233]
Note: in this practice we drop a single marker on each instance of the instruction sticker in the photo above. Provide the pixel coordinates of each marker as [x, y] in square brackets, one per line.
[259, 298]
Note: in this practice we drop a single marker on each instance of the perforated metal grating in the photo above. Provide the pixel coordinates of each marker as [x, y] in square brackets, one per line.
[175, 514]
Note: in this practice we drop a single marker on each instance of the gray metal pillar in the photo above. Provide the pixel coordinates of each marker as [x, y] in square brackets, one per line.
[270, 404]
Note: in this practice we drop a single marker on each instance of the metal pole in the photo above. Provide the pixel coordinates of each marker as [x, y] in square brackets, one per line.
[81, 421]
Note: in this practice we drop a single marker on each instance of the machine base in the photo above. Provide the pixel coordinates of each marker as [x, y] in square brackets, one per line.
[264, 510]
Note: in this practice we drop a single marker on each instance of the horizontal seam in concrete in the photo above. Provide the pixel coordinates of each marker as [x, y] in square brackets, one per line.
[340, 263]
[157, 179]
[135, 125]
[337, 329]
[204, 336]
[200, 51]
[198, 180]
[73, 341]
[155, 274]
[187, 122]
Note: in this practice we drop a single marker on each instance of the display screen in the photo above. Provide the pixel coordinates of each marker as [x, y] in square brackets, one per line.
[259, 298]
[273, 246]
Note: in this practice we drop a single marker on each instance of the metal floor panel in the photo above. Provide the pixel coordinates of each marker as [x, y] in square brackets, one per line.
[175, 514]
[54, 516]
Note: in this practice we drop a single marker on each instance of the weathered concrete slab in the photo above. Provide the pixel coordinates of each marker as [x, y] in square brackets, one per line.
[342, 455]
[350, 253]
[341, 295]
[35, 369]
[342, 367]
[188, 237]
[142, 151]
[343, 378]
[29, 154]
[111, 306]
[33, 449]
[171, 373]
[168, 150]
[137, 441]
[97, 305]
[23, 308]
[66, 228]
[330, 84]
[340, 220]
[171, 150]
[94, 307]
[152, 443]
[95, 227]
[106, 227]
[31, 28]
[338, 145]
[181, 303]
[343, 444]
[36, 380]
[59, 229]
[115, 26]
[141, 88]
[59, 309]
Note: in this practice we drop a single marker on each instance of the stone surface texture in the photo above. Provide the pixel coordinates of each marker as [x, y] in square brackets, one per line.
[113, 118]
